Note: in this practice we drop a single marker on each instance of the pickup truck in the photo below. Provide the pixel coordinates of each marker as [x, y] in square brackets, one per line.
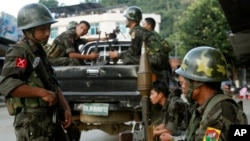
[103, 94]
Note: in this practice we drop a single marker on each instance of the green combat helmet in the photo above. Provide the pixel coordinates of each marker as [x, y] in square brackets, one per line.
[71, 25]
[204, 64]
[32, 15]
[133, 13]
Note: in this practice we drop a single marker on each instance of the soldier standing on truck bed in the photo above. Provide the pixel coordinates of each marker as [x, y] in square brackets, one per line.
[157, 56]
[64, 50]
[28, 81]
[149, 24]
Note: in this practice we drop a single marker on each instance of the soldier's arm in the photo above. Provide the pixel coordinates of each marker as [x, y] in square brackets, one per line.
[28, 91]
[67, 110]
[14, 74]
[172, 122]
[132, 55]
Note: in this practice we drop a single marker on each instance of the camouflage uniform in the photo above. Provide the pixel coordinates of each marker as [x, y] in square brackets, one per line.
[23, 66]
[220, 118]
[33, 120]
[207, 66]
[132, 55]
[175, 115]
[64, 44]
[165, 71]
[153, 46]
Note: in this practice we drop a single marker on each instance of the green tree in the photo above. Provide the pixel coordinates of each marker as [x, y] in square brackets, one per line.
[49, 3]
[168, 9]
[203, 23]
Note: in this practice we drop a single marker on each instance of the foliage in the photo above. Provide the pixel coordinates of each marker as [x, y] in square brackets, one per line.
[49, 3]
[168, 9]
[185, 23]
[203, 24]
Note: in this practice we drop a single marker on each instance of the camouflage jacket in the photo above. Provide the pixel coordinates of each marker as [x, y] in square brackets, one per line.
[19, 65]
[175, 115]
[157, 58]
[132, 55]
[164, 42]
[65, 43]
[221, 116]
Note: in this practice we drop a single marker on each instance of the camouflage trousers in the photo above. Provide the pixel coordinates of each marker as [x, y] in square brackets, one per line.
[34, 125]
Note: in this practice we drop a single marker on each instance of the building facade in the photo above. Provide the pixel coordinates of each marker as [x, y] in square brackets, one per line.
[100, 18]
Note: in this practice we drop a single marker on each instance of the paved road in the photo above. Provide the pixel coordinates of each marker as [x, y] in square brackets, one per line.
[7, 132]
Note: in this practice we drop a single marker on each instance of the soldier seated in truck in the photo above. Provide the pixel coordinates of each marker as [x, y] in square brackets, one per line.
[174, 110]
[64, 50]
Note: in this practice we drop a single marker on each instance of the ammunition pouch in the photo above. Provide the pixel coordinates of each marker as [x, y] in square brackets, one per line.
[13, 105]
[53, 50]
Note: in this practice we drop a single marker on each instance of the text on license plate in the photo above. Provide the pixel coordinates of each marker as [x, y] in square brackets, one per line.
[101, 109]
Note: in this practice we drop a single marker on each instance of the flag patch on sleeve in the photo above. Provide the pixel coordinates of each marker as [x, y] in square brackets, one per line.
[212, 134]
[21, 63]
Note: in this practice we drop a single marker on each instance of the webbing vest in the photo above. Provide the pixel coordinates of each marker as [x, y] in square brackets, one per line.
[33, 80]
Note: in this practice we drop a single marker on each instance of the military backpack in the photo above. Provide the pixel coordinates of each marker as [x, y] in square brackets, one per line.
[158, 51]
[240, 116]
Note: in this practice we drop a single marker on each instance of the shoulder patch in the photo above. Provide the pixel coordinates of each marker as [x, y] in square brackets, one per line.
[21, 62]
[133, 35]
[212, 134]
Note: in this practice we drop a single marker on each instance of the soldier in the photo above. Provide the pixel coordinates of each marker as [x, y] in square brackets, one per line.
[28, 82]
[149, 24]
[64, 50]
[204, 68]
[139, 34]
[174, 110]
[132, 56]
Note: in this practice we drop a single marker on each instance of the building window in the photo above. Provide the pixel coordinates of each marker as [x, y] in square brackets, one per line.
[122, 27]
[94, 27]
[53, 32]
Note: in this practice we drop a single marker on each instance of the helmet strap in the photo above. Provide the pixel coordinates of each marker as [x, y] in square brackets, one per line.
[30, 33]
[192, 86]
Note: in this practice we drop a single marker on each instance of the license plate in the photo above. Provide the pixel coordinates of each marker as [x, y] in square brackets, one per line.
[100, 109]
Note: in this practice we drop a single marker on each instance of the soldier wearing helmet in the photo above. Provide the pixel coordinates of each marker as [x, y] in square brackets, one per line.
[204, 68]
[28, 81]
[133, 15]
